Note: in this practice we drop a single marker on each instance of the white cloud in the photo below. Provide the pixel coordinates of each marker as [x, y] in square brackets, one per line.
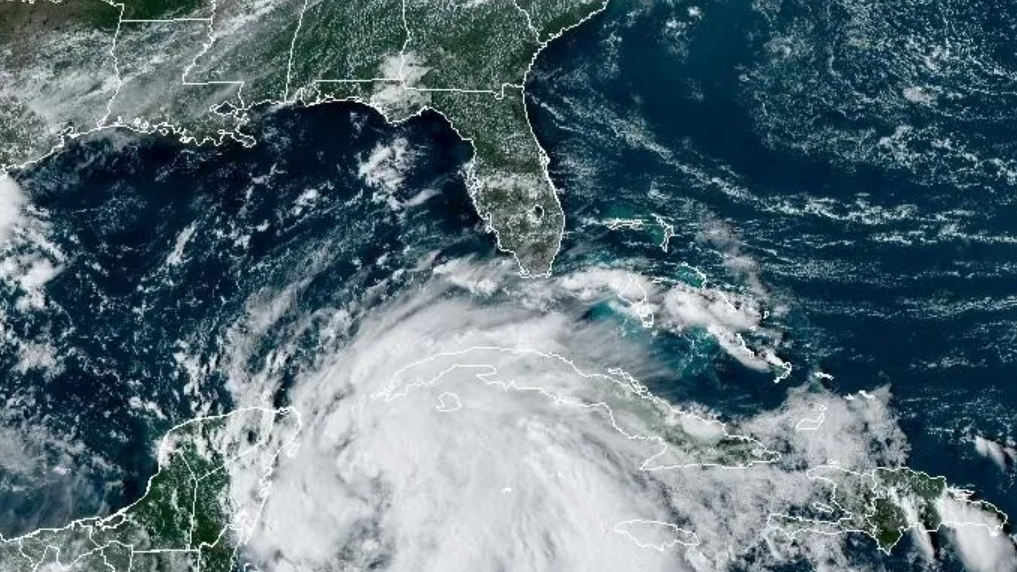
[176, 256]
[530, 469]
[37, 260]
[36, 274]
[392, 97]
[655, 535]
[856, 433]
[980, 542]
[385, 168]
[39, 356]
[673, 305]
[505, 480]
[12, 200]
[1000, 454]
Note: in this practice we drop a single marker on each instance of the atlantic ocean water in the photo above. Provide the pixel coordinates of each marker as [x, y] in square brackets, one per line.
[768, 148]
[848, 168]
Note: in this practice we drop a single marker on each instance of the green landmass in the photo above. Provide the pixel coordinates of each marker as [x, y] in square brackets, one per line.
[21, 20]
[186, 520]
[163, 9]
[472, 45]
[507, 179]
[883, 503]
[74, 67]
[550, 17]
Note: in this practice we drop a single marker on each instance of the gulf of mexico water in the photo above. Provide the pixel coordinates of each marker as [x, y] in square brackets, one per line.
[847, 165]
[157, 251]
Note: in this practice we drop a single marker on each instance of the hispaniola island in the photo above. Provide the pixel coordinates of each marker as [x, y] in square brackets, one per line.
[508, 285]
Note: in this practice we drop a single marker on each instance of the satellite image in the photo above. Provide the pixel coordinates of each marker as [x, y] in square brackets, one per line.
[508, 285]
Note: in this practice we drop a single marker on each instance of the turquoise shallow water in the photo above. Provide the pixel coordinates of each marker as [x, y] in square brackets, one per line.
[759, 145]
[796, 136]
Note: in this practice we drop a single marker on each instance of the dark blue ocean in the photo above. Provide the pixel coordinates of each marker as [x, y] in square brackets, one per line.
[895, 255]
[832, 155]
